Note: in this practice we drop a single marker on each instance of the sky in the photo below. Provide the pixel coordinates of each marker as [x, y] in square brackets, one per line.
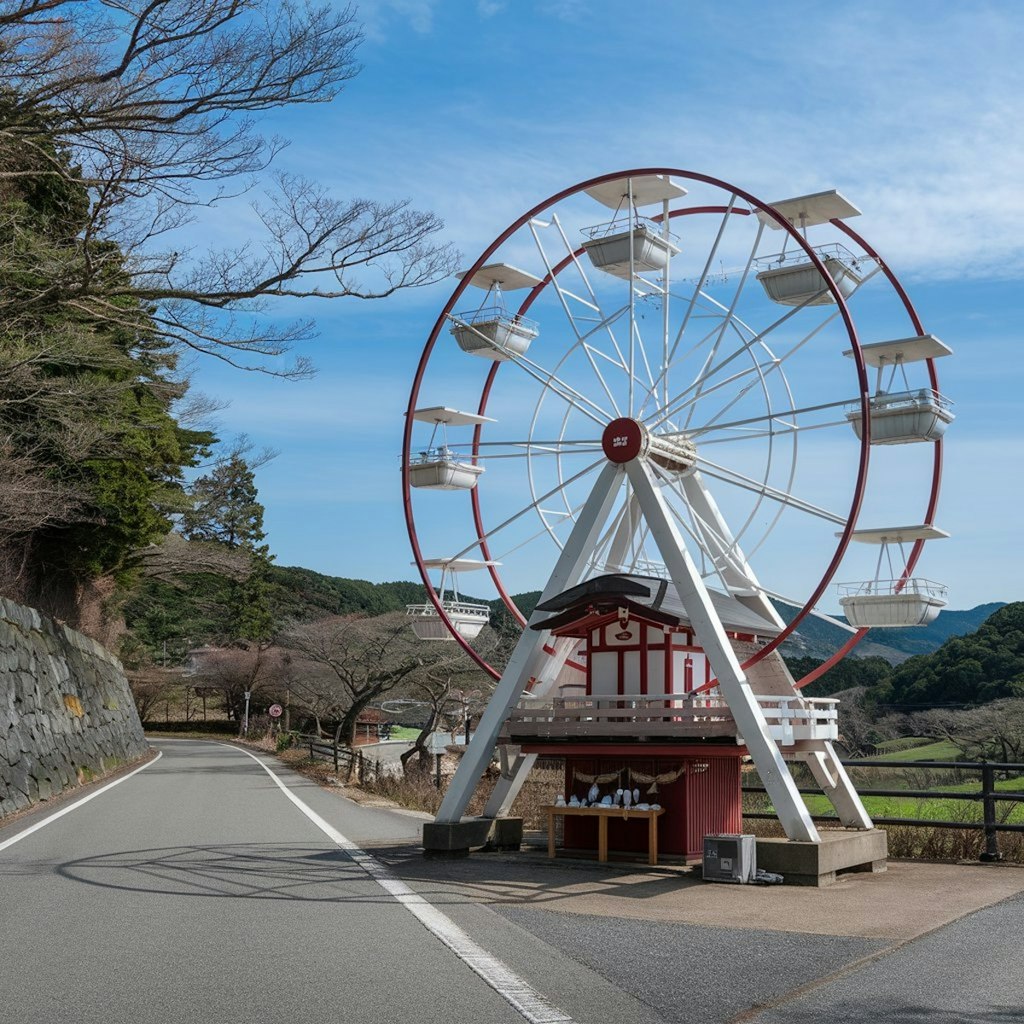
[479, 109]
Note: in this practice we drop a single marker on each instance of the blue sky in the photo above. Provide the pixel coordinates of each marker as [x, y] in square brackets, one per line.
[478, 110]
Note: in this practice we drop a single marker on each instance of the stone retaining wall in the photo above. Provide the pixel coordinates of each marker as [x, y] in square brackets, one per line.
[66, 712]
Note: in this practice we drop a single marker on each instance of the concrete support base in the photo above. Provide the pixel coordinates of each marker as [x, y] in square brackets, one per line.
[818, 864]
[506, 836]
[452, 839]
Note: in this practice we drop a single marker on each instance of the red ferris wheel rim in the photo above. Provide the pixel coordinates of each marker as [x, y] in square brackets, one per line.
[933, 497]
[863, 461]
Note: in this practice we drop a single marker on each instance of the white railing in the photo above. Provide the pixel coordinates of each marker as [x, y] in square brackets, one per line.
[890, 588]
[490, 314]
[795, 718]
[789, 718]
[621, 225]
[903, 400]
[428, 455]
[451, 609]
[798, 256]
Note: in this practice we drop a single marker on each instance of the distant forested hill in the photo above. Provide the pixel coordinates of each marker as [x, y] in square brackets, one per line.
[301, 595]
[973, 669]
[297, 594]
[817, 638]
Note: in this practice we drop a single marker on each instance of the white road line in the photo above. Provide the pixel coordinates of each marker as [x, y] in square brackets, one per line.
[525, 999]
[78, 803]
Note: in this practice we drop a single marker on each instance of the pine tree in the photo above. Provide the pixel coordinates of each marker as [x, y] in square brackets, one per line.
[226, 510]
[226, 507]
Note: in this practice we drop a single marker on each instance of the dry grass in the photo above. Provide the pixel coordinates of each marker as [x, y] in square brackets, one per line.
[417, 791]
[921, 842]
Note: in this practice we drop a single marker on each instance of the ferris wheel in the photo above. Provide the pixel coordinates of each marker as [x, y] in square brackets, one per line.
[762, 358]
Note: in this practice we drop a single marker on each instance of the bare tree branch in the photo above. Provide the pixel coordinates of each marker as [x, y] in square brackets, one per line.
[150, 106]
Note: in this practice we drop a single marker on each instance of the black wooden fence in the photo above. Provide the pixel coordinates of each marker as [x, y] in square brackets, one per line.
[350, 760]
[989, 796]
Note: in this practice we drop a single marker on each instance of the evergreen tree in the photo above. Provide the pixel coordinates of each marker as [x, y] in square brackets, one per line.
[91, 454]
[226, 510]
[225, 507]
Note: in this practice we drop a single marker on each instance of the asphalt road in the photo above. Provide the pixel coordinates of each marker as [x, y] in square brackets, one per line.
[195, 891]
[204, 890]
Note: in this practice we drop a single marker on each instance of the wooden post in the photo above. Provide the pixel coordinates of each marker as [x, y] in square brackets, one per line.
[988, 787]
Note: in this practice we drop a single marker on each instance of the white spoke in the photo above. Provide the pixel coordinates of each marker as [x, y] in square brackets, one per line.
[698, 432]
[728, 315]
[567, 517]
[697, 291]
[727, 547]
[691, 528]
[570, 394]
[529, 508]
[606, 321]
[569, 315]
[780, 432]
[520, 444]
[538, 453]
[779, 360]
[737, 479]
[743, 349]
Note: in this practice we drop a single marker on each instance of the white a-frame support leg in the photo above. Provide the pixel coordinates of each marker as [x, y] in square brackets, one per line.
[513, 775]
[711, 637]
[830, 774]
[527, 658]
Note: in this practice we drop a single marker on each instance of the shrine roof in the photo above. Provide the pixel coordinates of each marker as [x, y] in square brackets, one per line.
[653, 594]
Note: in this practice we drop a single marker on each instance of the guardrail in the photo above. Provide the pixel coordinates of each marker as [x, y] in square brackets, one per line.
[988, 795]
[789, 718]
[353, 761]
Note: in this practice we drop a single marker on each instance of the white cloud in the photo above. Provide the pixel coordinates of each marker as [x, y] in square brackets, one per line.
[379, 16]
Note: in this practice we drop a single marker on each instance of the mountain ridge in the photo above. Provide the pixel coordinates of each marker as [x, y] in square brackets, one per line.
[300, 591]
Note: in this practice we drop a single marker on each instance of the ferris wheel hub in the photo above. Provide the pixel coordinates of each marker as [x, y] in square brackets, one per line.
[626, 439]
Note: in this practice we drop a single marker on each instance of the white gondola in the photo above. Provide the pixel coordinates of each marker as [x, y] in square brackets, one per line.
[905, 416]
[790, 278]
[893, 603]
[491, 331]
[467, 617]
[618, 250]
[437, 467]
[631, 244]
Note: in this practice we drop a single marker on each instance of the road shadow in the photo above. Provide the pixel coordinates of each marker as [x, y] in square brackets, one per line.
[229, 871]
[328, 874]
[525, 879]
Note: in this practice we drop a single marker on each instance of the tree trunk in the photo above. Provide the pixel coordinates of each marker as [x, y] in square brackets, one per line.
[420, 746]
[347, 732]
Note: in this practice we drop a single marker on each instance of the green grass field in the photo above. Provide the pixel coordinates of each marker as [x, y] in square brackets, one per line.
[935, 809]
[404, 732]
[941, 750]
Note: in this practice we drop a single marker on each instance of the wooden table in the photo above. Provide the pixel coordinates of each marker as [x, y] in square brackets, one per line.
[603, 814]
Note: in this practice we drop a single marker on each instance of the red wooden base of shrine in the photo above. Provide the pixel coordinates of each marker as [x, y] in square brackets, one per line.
[700, 793]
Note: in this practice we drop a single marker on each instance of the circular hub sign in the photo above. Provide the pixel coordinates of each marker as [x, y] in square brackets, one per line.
[623, 440]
